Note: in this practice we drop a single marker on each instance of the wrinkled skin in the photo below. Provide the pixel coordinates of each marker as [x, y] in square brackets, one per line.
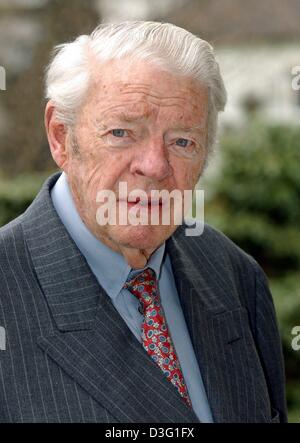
[145, 154]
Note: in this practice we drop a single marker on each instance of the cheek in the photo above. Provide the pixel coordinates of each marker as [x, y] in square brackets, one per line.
[186, 174]
[108, 169]
[100, 170]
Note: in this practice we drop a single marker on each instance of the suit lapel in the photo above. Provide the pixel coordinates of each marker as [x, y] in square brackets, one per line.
[88, 338]
[110, 364]
[219, 330]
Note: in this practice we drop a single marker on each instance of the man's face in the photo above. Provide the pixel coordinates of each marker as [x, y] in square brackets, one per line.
[141, 125]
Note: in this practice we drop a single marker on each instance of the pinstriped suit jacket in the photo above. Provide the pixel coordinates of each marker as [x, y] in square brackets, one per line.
[71, 358]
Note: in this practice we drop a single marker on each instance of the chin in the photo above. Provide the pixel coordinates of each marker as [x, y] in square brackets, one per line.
[141, 237]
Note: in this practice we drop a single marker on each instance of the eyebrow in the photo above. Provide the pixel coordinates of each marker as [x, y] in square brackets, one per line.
[198, 128]
[122, 117]
[128, 117]
[131, 117]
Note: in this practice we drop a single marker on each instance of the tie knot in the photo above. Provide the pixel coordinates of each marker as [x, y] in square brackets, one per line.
[143, 286]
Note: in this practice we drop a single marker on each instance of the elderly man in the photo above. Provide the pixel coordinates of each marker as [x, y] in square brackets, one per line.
[132, 322]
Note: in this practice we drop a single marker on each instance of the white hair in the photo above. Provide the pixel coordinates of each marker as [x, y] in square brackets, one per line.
[166, 45]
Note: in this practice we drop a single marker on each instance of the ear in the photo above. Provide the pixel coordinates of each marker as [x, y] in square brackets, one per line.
[57, 136]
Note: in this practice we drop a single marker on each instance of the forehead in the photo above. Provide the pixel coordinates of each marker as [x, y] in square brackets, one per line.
[142, 87]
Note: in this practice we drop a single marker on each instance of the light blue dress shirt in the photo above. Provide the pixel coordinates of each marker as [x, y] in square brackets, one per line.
[111, 271]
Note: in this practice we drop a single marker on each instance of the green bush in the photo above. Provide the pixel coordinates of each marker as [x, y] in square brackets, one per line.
[257, 194]
[17, 194]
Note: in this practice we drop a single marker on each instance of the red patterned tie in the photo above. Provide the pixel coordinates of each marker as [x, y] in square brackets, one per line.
[156, 338]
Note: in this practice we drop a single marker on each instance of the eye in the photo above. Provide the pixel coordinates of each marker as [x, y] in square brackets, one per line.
[119, 133]
[183, 142]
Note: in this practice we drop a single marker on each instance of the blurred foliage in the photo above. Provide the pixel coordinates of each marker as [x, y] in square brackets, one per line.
[257, 194]
[17, 194]
[255, 200]
[293, 395]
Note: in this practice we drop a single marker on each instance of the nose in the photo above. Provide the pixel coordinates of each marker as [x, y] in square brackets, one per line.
[152, 161]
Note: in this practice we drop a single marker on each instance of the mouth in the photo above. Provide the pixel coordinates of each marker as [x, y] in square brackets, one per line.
[144, 203]
[137, 201]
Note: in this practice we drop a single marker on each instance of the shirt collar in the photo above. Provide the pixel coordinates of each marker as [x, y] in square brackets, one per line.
[110, 267]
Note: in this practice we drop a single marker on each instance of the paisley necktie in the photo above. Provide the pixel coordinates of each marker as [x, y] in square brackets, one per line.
[155, 335]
